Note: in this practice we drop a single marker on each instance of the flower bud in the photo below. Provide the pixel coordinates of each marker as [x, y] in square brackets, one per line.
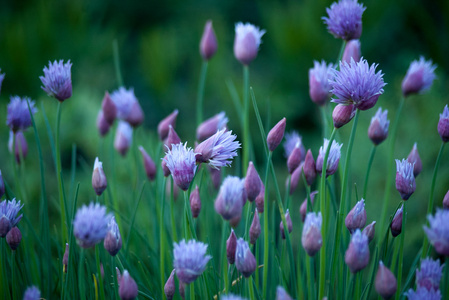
[369, 231]
[378, 128]
[208, 44]
[446, 201]
[260, 199]
[163, 126]
[182, 290]
[5, 225]
[443, 125]
[231, 246]
[102, 125]
[252, 182]
[295, 158]
[13, 238]
[356, 218]
[99, 182]
[210, 126]
[128, 287]
[246, 42]
[21, 148]
[309, 168]
[357, 255]
[352, 50]
[281, 294]
[123, 137]
[295, 177]
[135, 116]
[415, 160]
[254, 230]
[165, 169]
[303, 208]
[396, 224]
[108, 108]
[311, 233]
[172, 138]
[148, 163]
[276, 134]
[215, 176]
[169, 288]
[195, 202]
[65, 259]
[385, 283]
[245, 261]
[289, 224]
[430, 273]
[2, 185]
[405, 181]
[419, 77]
[342, 114]
[231, 198]
[332, 160]
[319, 87]
[113, 240]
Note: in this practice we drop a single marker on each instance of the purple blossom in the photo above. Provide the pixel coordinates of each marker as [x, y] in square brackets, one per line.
[385, 283]
[443, 125]
[356, 218]
[419, 77]
[438, 232]
[128, 108]
[247, 41]
[319, 76]
[182, 164]
[208, 44]
[357, 83]
[58, 80]
[292, 141]
[281, 294]
[91, 224]
[113, 240]
[8, 215]
[210, 126]
[422, 293]
[357, 255]
[345, 19]
[332, 160]
[378, 128]
[190, 260]
[123, 137]
[311, 233]
[19, 117]
[32, 293]
[127, 287]
[231, 198]
[245, 261]
[99, 181]
[429, 275]
[405, 180]
[218, 150]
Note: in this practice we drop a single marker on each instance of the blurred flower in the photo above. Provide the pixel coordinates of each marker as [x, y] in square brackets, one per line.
[289, 224]
[190, 260]
[332, 160]
[181, 163]
[446, 201]
[385, 283]
[231, 197]
[415, 160]
[128, 108]
[19, 117]
[429, 275]
[292, 139]
[2, 185]
[352, 50]
[443, 125]
[254, 230]
[231, 246]
[369, 231]
[169, 287]
[13, 238]
[90, 225]
[438, 232]
[247, 41]
[32, 293]
[276, 134]
[195, 202]
[281, 294]
[303, 207]
[21, 148]
[127, 287]
[294, 178]
[422, 293]
[405, 181]
[231, 297]
[378, 128]
[253, 182]
[102, 124]
[57, 80]
[148, 163]
[357, 255]
[218, 150]
[210, 126]
[309, 168]
[260, 199]
[319, 87]
[8, 215]
[396, 223]
[296, 157]
[182, 290]
[357, 83]
[311, 233]
[123, 137]
[343, 114]
[65, 258]
[113, 240]
[419, 77]
[108, 108]
[208, 44]
[163, 126]
[345, 19]
[356, 218]
[99, 182]
[245, 261]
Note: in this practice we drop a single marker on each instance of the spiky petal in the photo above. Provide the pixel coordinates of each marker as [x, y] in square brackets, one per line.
[57, 80]
[218, 150]
[419, 77]
[345, 19]
[405, 180]
[422, 293]
[182, 165]
[438, 232]
[8, 215]
[19, 117]
[247, 41]
[91, 224]
[190, 260]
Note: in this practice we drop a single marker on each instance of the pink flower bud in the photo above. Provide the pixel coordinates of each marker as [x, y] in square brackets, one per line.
[169, 288]
[123, 137]
[231, 245]
[108, 108]
[254, 230]
[247, 41]
[405, 180]
[352, 50]
[172, 138]
[208, 44]
[369, 231]
[311, 233]
[289, 224]
[195, 202]
[295, 158]
[443, 125]
[210, 126]
[385, 283]
[303, 208]
[276, 134]
[102, 125]
[13, 238]
[415, 160]
[357, 255]
[245, 261]
[148, 163]
[163, 126]
[396, 224]
[135, 116]
[252, 182]
[356, 218]
[309, 168]
[378, 128]
[165, 169]
[343, 114]
[294, 178]
[128, 287]
[260, 202]
[99, 182]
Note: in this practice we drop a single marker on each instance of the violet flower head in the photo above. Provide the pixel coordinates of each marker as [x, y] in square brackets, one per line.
[245, 261]
[311, 233]
[396, 223]
[352, 50]
[8, 215]
[276, 134]
[356, 218]
[319, 86]
[148, 163]
[443, 125]
[113, 240]
[218, 150]
[332, 160]
[438, 232]
[405, 180]
[57, 80]
[357, 255]
[247, 41]
[414, 159]
[182, 165]
[429, 275]
[210, 126]
[419, 77]
[345, 19]
[378, 128]
[253, 182]
[422, 293]
[231, 198]
[19, 117]
[357, 83]
[128, 108]
[123, 137]
[190, 260]
[385, 283]
[281, 294]
[127, 287]
[231, 246]
[292, 140]
[32, 293]
[90, 225]
[99, 181]
[208, 44]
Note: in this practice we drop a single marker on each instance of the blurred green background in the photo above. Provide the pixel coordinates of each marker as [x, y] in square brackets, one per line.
[158, 44]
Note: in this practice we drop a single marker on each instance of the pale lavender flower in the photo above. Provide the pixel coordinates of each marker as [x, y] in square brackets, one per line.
[113, 240]
[218, 150]
[91, 224]
[190, 260]
[210, 126]
[429, 275]
[231, 197]
[247, 41]
[32, 293]
[419, 77]
[99, 181]
[438, 232]
[182, 164]
[8, 215]
[208, 44]
[281, 294]
[405, 180]
[319, 87]
[352, 50]
[356, 218]
[378, 128]
[357, 255]
[414, 159]
[123, 137]
[357, 83]
[19, 117]
[345, 19]
[385, 283]
[58, 80]
[292, 140]
[128, 107]
[443, 125]
[311, 233]
[127, 287]
[422, 293]
[245, 261]
[231, 297]
[332, 160]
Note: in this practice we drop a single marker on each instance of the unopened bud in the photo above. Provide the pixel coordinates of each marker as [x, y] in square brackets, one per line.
[135, 116]
[254, 230]
[311, 233]
[108, 108]
[148, 163]
[260, 199]
[276, 134]
[195, 202]
[216, 177]
[446, 201]
[21, 148]
[385, 283]
[13, 238]
[309, 168]
[99, 182]
[352, 50]
[415, 160]
[102, 125]
[295, 177]
[295, 158]
[245, 261]
[343, 114]
[252, 182]
[443, 125]
[2, 185]
[356, 218]
[123, 137]
[303, 208]
[169, 288]
[369, 231]
[231, 246]
[172, 138]
[396, 224]
[128, 287]
[163, 126]
[65, 259]
[289, 224]
[208, 44]
[357, 255]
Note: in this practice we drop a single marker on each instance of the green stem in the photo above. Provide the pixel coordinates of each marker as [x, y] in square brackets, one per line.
[358, 286]
[431, 198]
[251, 288]
[162, 241]
[192, 291]
[368, 170]
[340, 54]
[118, 73]
[13, 288]
[189, 228]
[246, 137]
[172, 215]
[309, 266]
[266, 249]
[81, 277]
[325, 120]
[200, 97]
[401, 250]
[100, 278]
[114, 275]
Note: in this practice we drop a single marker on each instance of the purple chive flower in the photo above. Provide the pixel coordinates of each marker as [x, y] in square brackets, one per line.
[345, 19]
[123, 137]
[369, 231]
[422, 293]
[254, 230]
[253, 182]
[356, 218]
[181, 163]
[245, 261]
[419, 77]
[102, 124]
[332, 160]
[2, 76]
[208, 44]
[309, 168]
[90, 225]
[231, 198]
[311, 233]
[385, 283]
[127, 287]
[296, 157]
[429, 275]
[276, 134]
[231, 246]
[195, 202]
[190, 260]
[99, 182]
[303, 207]
[13, 238]
[352, 50]
[357, 255]
[8, 215]
[378, 128]
[292, 141]
[210, 126]
[405, 181]
[148, 163]
[247, 41]
[113, 240]
[128, 107]
[288, 223]
[319, 87]
[357, 83]
[19, 117]
[163, 126]
[343, 114]
[108, 108]
[32, 293]
[281, 294]
[169, 287]
[58, 80]
[414, 159]
[443, 125]
[218, 150]
[438, 232]
[396, 223]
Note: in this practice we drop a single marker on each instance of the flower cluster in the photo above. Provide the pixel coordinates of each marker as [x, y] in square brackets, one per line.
[189, 260]
[57, 80]
[90, 225]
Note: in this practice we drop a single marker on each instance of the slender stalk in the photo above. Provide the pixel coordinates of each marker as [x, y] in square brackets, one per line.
[340, 54]
[325, 120]
[310, 278]
[118, 72]
[266, 249]
[100, 278]
[431, 198]
[13, 287]
[81, 278]
[358, 286]
[59, 175]
[401, 250]
[190, 229]
[446, 278]
[200, 97]
[368, 170]
[114, 275]
[172, 215]
[162, 241]
[192, 291]
[246, 137]
[251, 288]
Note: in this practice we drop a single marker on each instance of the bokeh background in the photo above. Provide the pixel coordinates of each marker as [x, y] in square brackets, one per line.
[158, 46]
